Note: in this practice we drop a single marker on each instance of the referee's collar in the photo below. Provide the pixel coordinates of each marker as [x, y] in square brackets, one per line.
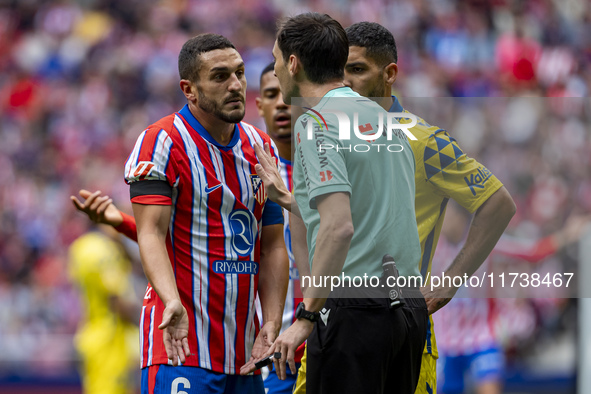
[396, 107]
[194, 123]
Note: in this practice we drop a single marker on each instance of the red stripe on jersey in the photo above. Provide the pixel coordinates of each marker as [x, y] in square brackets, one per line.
[152, 200]
[152, 372]
[289, 169]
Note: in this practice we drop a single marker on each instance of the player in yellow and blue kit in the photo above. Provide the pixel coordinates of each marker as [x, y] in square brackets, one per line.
[443, 171]
[107, 339]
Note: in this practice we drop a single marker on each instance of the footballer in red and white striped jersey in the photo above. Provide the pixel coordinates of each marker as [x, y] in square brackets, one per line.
[277, 117]
[219, 207]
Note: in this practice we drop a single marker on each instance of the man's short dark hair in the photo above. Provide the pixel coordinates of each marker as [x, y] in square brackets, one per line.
[320, 43]
[189, 57]
[270, 67]
[376, 39]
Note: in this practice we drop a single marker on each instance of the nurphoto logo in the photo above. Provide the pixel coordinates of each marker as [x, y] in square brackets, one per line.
[366, 132]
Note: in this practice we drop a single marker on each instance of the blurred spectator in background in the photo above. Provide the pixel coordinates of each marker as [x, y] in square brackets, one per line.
[79, 78]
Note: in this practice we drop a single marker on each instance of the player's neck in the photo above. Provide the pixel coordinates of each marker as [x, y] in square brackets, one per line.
[385, 102]
[284, 149]
[221, 131]
[309, 89]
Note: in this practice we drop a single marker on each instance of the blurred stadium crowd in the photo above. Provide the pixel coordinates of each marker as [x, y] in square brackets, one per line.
[79, 80]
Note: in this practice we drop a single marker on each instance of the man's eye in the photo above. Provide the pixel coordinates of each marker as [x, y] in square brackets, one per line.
[219, 77]
[270, 95]
[357, 69]
[240, 73]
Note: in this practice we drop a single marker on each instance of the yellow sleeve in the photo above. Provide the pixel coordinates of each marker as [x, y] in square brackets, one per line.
[455, 174]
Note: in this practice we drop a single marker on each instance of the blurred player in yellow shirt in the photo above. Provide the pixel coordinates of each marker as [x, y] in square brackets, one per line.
[107, 339]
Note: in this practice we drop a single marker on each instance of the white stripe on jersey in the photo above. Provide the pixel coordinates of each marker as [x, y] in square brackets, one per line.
[243, 170]
[131, 161]
[160, 157]
[151, 336]
[254, 135]
[231, 280]
[199, 241]
[161, 154]
[142, 336]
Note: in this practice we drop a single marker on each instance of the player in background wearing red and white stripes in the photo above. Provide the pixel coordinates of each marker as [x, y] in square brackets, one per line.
[195, 192]
[277, 117]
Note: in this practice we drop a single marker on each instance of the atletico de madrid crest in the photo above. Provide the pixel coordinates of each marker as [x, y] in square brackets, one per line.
[258, 188]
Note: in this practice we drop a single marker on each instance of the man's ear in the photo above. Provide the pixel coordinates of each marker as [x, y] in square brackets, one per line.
[390, 73]
[259, 103]
[189, 89]
[293, 65]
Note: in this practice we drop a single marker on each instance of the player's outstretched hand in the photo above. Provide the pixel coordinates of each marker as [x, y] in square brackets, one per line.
[175, 326]
[100, 209]
[269, 174]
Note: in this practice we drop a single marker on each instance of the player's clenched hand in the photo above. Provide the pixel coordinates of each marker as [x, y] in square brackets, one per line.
[269, 174]
[100, 209]
[438, 297]
[175, 326]
[261, 346]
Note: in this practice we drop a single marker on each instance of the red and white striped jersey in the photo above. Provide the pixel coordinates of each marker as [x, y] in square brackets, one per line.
[219, 206]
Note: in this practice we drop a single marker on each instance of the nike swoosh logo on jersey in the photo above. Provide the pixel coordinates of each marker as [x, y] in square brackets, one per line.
[210, 189]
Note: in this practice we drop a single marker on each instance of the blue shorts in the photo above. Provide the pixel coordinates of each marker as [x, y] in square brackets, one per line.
[275, 386]
[166, 379]
[484, 366]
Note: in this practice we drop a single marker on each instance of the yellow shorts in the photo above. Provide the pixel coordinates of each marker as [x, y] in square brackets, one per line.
[427, 378]
[300, 386]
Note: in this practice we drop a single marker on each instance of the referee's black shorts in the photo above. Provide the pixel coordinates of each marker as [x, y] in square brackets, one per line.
[360, 345]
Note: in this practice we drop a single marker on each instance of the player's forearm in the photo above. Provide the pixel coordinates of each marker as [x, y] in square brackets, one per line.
[273, 281]
[157, 266]
[299, 247]
[152, 229]
[287, 201]
[486, 228]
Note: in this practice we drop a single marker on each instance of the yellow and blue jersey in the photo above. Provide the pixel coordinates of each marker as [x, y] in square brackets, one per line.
[107, 344]
[443, 171]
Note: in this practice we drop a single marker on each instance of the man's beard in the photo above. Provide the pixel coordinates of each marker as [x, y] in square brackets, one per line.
[210, 106]
[377, 91]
